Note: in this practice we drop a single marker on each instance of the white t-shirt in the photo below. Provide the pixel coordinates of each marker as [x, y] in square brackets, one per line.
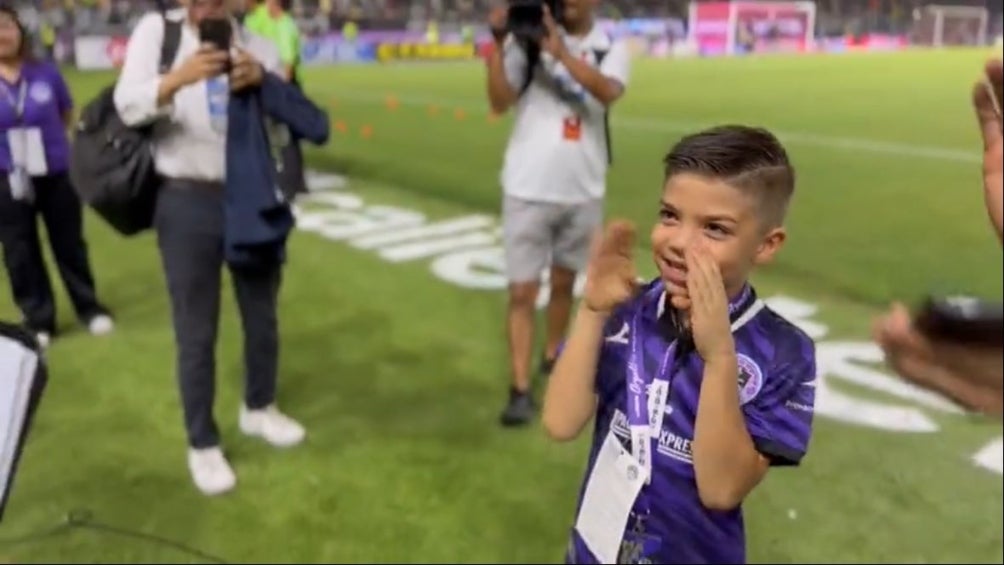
[557, 149]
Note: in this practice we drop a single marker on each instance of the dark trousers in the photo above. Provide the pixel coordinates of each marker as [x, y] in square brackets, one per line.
[189, 224]
[61, 211]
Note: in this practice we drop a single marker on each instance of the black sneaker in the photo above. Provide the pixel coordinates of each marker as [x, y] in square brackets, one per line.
[520, 409]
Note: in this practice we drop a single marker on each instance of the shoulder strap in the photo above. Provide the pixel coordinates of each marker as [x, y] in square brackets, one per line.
[600, 54]
[169, 46]
[532, 59]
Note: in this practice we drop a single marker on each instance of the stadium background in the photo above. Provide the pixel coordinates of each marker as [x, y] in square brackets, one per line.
[392, 305]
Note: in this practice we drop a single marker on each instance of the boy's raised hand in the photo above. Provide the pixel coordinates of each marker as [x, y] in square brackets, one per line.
[709, 307]
[987, 101]
[611, 277]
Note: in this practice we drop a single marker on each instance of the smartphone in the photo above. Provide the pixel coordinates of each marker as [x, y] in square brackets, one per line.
[962, 320]
[218, 32]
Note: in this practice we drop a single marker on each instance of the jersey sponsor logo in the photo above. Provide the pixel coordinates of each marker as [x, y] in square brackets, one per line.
[750, 378]
[676, 447]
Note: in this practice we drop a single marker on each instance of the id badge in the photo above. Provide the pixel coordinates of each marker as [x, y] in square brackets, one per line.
[20, 185]
[27, 149]
[611, 491]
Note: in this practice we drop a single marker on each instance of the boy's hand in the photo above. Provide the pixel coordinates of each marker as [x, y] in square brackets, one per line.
[987, 101]
[709, 307]
[610, 276]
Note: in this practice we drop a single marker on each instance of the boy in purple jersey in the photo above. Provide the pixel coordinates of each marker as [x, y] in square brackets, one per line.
[697, 387]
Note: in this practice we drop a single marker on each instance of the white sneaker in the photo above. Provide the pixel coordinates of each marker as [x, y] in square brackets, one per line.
[101, 324]
[43, 339]
[271, 425]
[210, 471]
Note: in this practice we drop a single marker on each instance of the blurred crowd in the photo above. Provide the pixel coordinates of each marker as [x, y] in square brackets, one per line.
[51, 18]
[834, 17]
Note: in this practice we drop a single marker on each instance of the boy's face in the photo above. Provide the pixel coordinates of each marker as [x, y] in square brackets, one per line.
[703, 211]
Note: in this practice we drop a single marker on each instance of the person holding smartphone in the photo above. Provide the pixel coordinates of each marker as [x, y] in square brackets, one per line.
[216, 57]
[971, 374]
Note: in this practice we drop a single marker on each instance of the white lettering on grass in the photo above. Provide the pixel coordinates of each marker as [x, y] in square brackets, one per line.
[466, 252]
[991, 456]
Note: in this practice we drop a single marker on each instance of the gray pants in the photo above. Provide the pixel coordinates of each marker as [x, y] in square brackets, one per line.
[189, 224]
[537, 235]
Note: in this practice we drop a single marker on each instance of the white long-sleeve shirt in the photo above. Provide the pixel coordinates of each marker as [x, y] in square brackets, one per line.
[186, 143]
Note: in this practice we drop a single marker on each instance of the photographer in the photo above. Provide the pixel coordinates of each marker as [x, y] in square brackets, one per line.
[970, 374]
[561, 74]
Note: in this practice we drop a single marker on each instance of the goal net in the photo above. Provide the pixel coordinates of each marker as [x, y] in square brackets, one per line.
[943, 26]
[751, 26]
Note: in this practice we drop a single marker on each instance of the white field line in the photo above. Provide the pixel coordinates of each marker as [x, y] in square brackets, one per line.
[852, 144]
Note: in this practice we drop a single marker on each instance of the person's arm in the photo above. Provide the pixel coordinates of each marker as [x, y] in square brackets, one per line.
[729, 460]
[726, 463]
[606, 83]
[971, 375]
[570, 400]
[507, 66]
[64, 100]
[291, 108]
[988, 98]
[141, 94]
[734, 444]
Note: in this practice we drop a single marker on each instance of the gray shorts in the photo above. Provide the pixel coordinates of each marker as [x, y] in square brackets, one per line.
[541, 234]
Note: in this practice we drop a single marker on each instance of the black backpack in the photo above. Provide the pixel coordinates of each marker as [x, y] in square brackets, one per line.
[111, 164]
[533, 58]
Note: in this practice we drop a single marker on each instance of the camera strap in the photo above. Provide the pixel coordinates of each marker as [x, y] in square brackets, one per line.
[533, 59]
[600, 54]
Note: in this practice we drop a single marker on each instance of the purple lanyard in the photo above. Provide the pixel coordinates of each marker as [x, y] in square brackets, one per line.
[642, 416]
[16, 104]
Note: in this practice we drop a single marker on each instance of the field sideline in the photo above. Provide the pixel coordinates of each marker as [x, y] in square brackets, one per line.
[394, 355]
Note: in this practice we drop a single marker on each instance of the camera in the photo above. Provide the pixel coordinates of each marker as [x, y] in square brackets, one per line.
[526, 18]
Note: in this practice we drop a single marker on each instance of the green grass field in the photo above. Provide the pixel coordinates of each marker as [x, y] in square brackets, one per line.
[393, 354]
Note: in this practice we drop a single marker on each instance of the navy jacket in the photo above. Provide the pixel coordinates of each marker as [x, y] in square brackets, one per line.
[257, 217]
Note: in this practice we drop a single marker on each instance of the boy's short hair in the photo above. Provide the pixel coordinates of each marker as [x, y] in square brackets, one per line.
[750, 159]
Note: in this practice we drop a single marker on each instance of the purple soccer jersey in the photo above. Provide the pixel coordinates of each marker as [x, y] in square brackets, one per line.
[777, 369]
[42, 98]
